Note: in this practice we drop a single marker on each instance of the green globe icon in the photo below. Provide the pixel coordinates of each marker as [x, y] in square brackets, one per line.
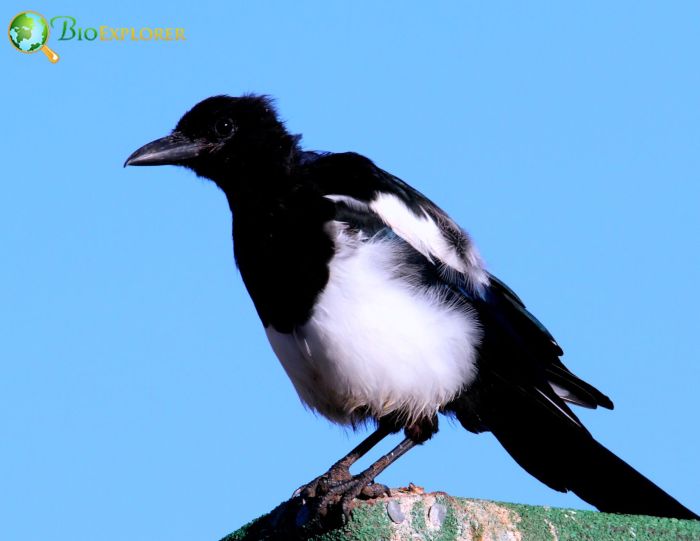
[29, 32]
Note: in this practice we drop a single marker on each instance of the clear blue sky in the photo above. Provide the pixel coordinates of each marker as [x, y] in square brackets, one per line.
[139, 399]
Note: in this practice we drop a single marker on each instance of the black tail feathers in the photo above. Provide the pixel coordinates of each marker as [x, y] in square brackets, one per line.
[565, 457]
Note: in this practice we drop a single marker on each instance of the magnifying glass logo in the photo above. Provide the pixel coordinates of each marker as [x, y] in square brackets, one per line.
[29, 33]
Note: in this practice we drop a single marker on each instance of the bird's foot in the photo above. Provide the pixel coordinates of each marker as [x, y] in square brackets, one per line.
[341, 497]
[321, 485]
[334, 493]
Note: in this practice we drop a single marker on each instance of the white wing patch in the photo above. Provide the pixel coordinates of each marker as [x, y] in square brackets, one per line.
[424, 234]
[421, 232]
[349, 201]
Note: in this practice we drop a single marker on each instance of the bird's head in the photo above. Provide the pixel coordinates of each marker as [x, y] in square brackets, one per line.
[223, 138]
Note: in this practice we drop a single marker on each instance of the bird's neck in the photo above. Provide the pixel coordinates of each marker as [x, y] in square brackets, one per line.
[261, 173]
[258, 193]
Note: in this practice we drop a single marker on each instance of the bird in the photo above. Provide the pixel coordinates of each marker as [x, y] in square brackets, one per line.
[382, 312]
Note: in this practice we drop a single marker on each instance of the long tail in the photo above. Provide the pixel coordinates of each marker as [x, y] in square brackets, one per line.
[564, 456]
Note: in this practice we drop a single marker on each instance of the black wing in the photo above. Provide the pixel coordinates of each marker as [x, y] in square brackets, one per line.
[533, 338]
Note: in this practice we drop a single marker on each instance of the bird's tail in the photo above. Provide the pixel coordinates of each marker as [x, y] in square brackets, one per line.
[564, 456]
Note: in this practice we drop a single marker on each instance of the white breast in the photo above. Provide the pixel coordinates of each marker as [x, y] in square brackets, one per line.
[375, 343]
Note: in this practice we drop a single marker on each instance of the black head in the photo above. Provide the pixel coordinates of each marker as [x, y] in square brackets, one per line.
[222, 138]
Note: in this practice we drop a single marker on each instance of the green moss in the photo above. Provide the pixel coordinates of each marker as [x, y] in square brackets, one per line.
[451, 528]
[418, 514]
[370, 522]
[241, 534]
[593, 526]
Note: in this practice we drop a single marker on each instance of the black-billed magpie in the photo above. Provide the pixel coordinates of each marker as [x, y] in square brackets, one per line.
[380, 310]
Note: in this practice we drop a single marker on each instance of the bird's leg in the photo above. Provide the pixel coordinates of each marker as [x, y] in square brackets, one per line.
[362, 483]
[340, 471]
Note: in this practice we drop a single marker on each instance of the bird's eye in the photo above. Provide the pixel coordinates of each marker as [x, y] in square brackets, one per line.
[224, 127]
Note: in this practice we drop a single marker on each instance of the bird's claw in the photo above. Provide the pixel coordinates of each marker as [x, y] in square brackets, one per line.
[374, 490]
[341, 495]
[323, 483]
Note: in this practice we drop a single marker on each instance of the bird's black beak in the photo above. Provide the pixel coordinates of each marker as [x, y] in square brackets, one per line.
[172, 149]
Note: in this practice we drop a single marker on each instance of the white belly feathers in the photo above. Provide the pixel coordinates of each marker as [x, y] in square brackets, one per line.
[376, 343]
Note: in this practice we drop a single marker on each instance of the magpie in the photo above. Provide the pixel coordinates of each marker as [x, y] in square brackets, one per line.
[381, 311]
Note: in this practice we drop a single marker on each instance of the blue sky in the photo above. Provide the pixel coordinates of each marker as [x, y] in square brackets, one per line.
[138, 397]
